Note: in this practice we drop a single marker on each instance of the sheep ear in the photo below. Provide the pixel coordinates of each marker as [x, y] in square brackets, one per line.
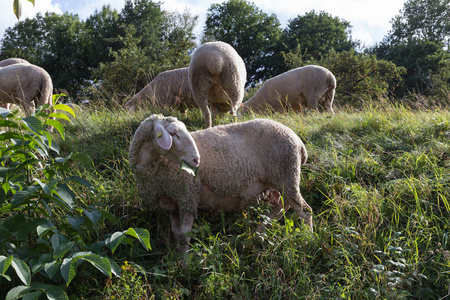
[163, 138]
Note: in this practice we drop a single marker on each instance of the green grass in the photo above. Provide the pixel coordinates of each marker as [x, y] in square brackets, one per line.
[377, 179]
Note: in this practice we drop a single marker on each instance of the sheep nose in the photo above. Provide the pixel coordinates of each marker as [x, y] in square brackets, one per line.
[196, 161]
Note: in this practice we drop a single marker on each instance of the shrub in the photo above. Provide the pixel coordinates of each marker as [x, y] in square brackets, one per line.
[47, 231]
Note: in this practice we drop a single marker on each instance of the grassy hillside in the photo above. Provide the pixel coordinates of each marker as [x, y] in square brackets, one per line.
[378, 181]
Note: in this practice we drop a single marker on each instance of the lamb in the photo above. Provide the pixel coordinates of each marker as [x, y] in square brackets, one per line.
[169, 88]
[302, 87]
[12, 61]
[240, 164]
[217, 76]
[22, 83]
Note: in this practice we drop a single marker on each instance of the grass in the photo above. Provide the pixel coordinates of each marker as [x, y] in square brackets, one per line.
[379, 183]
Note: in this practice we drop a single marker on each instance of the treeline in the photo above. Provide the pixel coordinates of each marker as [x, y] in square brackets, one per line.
[114, 54]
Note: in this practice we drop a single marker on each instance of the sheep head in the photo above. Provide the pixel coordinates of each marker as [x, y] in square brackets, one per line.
[164, 137]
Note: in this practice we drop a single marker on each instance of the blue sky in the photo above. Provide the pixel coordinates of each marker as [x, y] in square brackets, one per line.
[370, 19]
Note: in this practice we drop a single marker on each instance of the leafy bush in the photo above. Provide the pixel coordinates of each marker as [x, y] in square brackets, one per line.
[48, 231]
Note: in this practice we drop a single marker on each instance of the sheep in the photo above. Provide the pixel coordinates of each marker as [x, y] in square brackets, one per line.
[302, 87]
[22, 83]
[217, 76]
[170, 88]
[238, 164]
[8, 62]
[12, 61]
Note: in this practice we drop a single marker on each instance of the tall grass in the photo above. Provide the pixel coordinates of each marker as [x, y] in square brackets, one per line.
[379, 183]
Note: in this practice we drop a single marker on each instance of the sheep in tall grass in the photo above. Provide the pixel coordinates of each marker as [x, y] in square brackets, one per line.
[168, 89]
[238, 164]
[296, 89]
[217, 77]
[12, 61]
[21, 84]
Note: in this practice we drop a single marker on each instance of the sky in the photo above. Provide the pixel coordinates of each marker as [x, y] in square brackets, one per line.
[370, 19]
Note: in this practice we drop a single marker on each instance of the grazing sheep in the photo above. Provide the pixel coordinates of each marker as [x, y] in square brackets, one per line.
[296, 89]
[12, 61]
[169, 88]
[217, 77]
[240, 164]
[22, 83]
[8, 62]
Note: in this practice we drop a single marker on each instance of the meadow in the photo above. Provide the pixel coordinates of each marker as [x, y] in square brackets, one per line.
[377, 178]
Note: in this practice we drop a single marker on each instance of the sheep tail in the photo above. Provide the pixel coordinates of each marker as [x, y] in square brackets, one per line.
[215, 63]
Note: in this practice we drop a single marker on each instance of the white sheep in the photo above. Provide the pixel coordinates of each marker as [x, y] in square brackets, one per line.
[239, 164]
[168, 89]
[296, 89]
[12, 61]
[217, 77]
[21, 84]
[8, 62]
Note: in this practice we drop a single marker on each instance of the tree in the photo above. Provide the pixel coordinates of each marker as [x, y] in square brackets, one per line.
[254, 34]
[419, 41]
[427, 20]
[317, 34]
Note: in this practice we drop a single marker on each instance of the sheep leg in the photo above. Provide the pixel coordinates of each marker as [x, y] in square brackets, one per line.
[274, 198]
[303, 210]
[181, 225]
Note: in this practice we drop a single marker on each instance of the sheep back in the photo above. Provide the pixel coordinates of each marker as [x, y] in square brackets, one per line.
[168, 89]
[235, 155]
[22, 83]
[12, 61]
[302, 87]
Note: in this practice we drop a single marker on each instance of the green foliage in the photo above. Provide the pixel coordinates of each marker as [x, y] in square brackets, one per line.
[425, 20]
[48, 235]
[130, 283]
[317, 34]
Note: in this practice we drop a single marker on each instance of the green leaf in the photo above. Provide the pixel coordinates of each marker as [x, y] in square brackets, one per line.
[9, 124]
[114, 241]
[141, 234]
[94, 215]
[20, 227]
[188, 168]
[79, 180]
[64, 107]
[59, 116]
[23, 195]
[17, 7]
[34, 124]
[65, 194]
[22, 270]
[58, 239]
[32, 296]
[56, 293]
[5, 262]
[32, 1]
[57, 125]
[62, 249]
[115, 269]
[44, 227]
[52, 268]
[17, 292]
[83, 158]
[101, 263]
[69, 269]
